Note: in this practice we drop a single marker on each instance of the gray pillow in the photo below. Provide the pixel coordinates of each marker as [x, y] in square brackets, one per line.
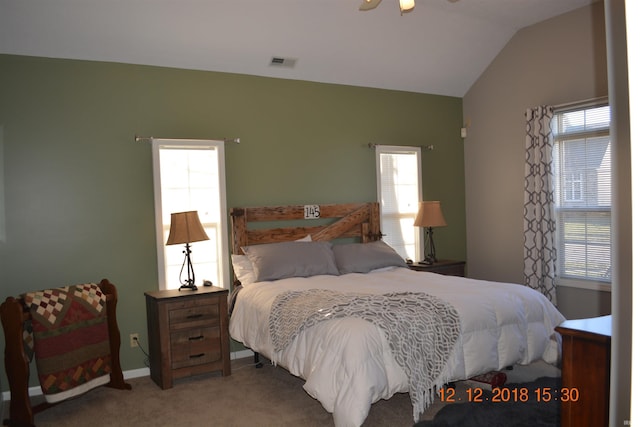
[364, 257]
[273, 261]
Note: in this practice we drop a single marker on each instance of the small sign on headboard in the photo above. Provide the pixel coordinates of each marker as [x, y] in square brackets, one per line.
[311, 211]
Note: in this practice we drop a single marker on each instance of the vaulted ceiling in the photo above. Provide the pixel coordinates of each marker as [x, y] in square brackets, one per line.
[440, 47]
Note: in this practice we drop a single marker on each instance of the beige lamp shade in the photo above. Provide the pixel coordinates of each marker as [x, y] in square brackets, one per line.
[186, 228]
[430, 215]
[406, 5]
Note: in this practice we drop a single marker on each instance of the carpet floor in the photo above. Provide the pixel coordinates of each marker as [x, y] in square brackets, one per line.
[267, 397]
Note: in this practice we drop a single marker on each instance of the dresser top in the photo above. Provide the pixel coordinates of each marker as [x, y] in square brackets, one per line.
[594, 326]
[175, 293]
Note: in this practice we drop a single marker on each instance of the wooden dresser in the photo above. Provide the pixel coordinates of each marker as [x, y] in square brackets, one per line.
[188, 333]
[444, 266]
[586, 358]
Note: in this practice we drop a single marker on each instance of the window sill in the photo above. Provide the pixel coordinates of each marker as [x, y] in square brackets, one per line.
[585, 284]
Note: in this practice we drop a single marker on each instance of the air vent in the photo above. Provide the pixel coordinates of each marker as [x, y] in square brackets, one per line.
[279, 61]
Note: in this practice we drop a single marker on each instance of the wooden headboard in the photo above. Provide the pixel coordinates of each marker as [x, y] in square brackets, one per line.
[359, 220]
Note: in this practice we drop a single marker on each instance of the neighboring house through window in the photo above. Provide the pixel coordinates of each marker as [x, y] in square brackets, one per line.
[189, 175]
[399, 176]
[582, 173]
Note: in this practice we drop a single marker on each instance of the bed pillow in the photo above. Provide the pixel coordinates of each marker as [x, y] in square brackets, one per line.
[243, 268]
[273, 261]
[364, 257]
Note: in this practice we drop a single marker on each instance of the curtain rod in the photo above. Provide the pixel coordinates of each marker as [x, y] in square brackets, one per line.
[428, 147]
[584, 103]
[137, 138]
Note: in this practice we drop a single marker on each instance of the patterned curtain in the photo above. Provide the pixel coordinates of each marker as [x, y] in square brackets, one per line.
[539, 217]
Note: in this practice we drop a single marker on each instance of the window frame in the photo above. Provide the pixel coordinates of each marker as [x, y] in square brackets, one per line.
[223, 248]
[394, 149]
[582, 283]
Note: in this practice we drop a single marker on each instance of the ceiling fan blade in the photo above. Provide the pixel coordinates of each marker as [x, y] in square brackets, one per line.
[369, 4]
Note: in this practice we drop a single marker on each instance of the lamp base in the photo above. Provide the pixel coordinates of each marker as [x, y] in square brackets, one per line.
[190, 287]
[190, 283]
[429, 257]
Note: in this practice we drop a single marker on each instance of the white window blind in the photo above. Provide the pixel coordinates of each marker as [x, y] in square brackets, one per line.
[582, 171]
[399, 187]
[189, 175]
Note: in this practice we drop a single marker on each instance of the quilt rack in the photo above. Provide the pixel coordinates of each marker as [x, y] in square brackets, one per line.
[14, 314]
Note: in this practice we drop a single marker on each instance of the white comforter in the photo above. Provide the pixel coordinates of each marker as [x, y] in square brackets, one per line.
[347, 363]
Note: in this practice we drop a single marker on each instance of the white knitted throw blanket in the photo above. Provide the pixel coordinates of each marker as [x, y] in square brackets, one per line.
[421, 330]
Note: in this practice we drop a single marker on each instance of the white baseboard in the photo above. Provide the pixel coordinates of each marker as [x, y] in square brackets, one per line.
[135, 373]
[132, 373]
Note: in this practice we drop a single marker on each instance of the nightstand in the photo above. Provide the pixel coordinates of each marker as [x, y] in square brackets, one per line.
[443, 266]
[586, 356]
[188, 333]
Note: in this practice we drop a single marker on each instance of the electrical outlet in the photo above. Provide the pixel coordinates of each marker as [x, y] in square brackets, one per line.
[133, 340]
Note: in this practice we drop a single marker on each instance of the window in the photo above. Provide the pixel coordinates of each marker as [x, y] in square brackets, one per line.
[399, 175]
[189, 175]
[582, 173]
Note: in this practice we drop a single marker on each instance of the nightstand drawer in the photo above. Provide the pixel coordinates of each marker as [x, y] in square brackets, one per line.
[195, 347]
[193, 316]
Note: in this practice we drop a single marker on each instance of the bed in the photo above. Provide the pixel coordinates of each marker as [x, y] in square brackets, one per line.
[330, 302]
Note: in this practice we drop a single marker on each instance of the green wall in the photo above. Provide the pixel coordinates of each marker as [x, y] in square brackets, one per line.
[79, 191]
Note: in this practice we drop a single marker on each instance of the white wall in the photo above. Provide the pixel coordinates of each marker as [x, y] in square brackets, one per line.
[621, 79]
[558, 61]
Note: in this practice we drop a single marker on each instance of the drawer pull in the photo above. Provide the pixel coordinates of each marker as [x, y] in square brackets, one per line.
[195, 356]
[201, 337]
[194, 316]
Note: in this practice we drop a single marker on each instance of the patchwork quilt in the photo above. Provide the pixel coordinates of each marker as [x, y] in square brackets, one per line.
[70, 338]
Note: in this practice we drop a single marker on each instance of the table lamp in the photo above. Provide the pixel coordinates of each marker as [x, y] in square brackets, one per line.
[429, 216]
[186, 228]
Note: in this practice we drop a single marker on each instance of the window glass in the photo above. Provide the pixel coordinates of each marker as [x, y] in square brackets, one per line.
[189, 175]
[399, 177]
[582, 171]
